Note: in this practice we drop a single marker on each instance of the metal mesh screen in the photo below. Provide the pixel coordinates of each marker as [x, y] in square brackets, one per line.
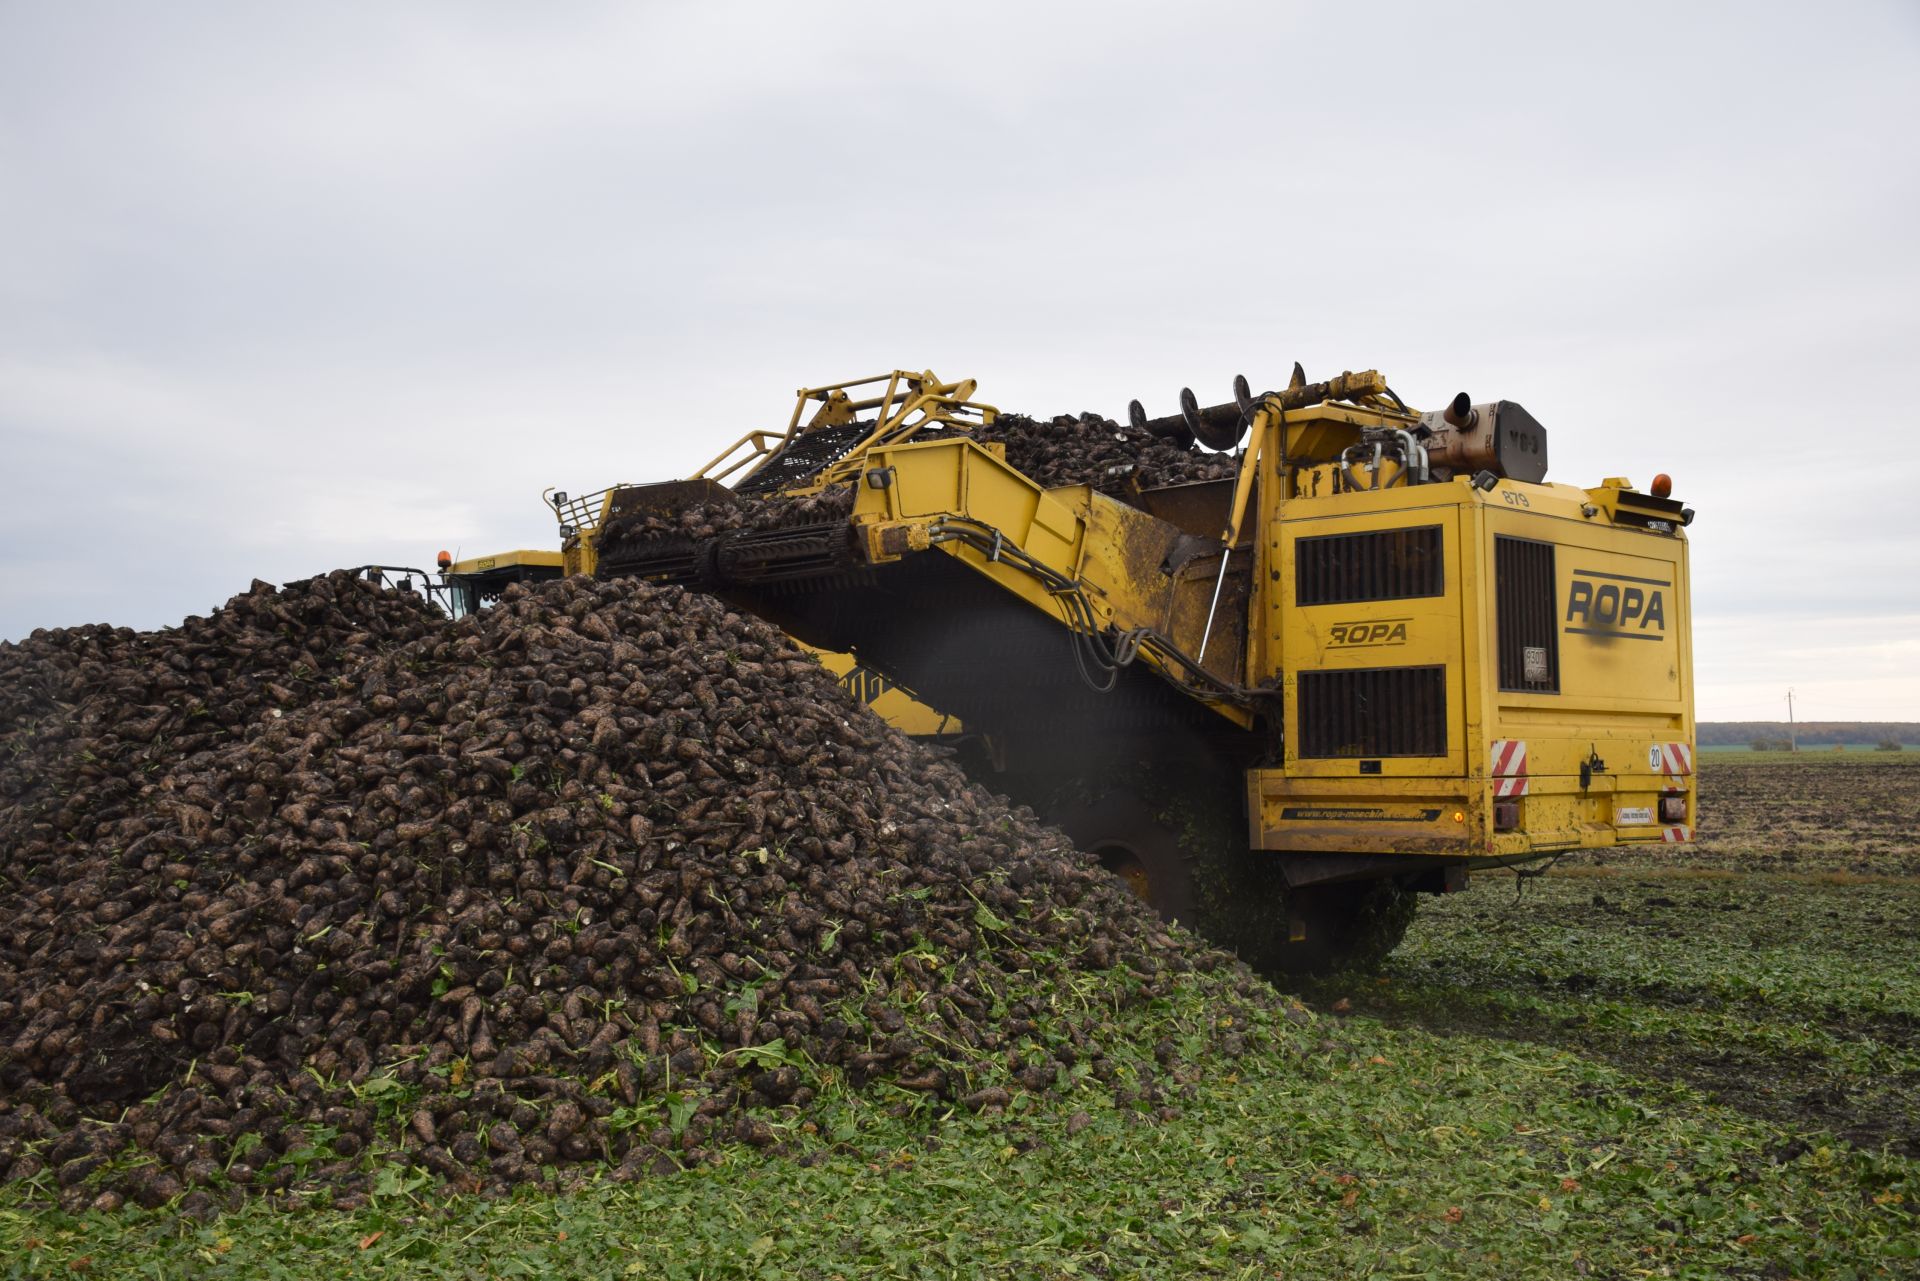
[804, 455]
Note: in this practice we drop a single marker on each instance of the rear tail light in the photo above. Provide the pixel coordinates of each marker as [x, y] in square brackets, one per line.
[1506, 815]
[1673, 808]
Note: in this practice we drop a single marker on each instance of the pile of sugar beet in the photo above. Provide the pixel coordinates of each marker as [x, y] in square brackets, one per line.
[604, 881]
[1087, 449]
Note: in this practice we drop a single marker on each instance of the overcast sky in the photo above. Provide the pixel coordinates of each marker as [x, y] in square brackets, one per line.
[283, 290]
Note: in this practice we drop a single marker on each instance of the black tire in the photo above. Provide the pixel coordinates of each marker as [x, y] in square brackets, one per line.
[1131, 841]
[1349, 926]
[1187, 857]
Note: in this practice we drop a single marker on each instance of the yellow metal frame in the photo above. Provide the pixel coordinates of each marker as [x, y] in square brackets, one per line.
[909, 403]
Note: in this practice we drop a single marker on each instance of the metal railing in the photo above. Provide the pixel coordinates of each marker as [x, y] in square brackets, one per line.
[906, 403]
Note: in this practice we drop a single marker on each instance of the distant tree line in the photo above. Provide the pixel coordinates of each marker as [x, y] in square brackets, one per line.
[1773, 735]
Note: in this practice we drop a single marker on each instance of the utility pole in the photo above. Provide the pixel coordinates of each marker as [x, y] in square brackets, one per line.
[1793, 741]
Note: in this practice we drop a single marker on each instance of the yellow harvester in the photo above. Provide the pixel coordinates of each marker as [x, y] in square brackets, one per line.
[1388, 651]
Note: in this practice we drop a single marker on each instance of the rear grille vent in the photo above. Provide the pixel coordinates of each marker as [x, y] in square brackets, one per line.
[1389, 564]
[1526, 609]
[1376, 711]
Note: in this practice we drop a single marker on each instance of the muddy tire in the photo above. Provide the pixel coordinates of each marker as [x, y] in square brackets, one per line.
[1131, 841]
[1184, 852]
[1351, 926]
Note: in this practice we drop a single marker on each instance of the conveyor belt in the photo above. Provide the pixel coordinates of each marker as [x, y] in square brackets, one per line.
[737, 557]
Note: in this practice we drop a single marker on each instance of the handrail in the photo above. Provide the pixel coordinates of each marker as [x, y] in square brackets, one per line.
[579, 512]
[758, 438]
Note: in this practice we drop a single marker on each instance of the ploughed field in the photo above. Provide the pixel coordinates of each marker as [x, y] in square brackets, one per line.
[601, 935]
[1819, 811]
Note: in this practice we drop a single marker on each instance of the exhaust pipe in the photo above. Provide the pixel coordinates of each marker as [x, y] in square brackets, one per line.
[1461, 413]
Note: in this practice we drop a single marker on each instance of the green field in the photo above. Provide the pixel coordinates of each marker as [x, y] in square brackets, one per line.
[1705, 1066]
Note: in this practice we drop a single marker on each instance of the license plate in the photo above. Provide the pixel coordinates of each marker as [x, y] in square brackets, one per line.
[1533, 659]
[1634, 816]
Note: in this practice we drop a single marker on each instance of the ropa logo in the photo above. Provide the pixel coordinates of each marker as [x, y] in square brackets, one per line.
[1617, 605]
[865, 684]
[1378, 631]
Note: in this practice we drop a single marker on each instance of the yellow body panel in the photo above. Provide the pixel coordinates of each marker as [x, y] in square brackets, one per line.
[1410, 632]
[1624, 660]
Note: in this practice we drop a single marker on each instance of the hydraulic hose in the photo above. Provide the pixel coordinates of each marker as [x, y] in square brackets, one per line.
[1097, 659]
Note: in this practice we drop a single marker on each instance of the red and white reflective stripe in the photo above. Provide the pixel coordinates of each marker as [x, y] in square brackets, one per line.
[1675, 758]
[1676, 835]
[1509, 767]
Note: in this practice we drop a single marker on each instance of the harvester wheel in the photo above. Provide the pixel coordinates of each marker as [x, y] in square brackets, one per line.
[1122, 831]
[1183, 849]
[1350, 926]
